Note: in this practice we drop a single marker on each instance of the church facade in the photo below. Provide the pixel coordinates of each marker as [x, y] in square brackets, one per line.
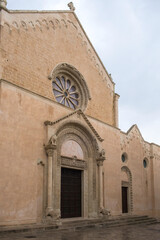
[62, 153]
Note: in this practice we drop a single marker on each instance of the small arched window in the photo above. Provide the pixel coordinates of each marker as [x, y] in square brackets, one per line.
[124, 157]
[145, 163]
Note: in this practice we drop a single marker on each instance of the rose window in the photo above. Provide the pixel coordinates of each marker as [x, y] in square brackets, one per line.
[66, 92]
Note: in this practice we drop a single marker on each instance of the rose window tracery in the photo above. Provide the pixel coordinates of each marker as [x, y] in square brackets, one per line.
[66, 92]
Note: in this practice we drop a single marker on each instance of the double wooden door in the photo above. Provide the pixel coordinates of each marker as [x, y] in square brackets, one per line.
[70, 193]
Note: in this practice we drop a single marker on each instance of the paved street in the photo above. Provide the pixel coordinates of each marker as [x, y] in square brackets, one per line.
[140, 232]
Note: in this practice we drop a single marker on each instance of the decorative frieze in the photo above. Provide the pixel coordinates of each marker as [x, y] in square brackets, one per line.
[73, 162]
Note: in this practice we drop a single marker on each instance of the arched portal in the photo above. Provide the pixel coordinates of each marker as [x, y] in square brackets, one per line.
[126, 190]
[73, 186]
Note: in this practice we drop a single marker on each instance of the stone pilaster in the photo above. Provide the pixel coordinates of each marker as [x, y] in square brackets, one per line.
[116, 121]
[50, 150]
[100, 161]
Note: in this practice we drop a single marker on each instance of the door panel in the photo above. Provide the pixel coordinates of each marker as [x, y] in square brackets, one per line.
[124, 199]
[70, 193]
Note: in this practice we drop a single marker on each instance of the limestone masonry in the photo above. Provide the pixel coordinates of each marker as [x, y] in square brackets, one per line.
[62, 153]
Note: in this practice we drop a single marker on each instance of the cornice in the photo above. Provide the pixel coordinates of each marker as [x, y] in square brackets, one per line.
[78, 111]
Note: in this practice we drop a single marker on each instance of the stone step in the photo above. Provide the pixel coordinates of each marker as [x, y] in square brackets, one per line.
[80, 223]
[108, 220]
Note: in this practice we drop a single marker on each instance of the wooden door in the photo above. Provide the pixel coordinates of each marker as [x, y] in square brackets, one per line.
[124, 199]
[70, 193]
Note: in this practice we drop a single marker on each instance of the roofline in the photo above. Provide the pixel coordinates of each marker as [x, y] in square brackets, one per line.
[40, 11]
[64, 11]
[93, 47]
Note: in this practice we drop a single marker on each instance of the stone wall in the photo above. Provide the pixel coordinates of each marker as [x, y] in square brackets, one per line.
[32, 44]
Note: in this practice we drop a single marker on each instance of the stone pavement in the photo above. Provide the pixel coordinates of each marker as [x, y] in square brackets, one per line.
[136, 232]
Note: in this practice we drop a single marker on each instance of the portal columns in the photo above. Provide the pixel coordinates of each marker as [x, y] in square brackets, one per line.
[100, 160]
[50, 148]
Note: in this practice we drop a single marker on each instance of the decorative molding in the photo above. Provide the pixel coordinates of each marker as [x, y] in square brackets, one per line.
[73, 162]
[101, 157]
[104, 212]
[157, 157]
[78, 111]
[54, 24]
[50, 149]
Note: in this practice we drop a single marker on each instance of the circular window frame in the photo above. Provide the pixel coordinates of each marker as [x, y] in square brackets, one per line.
[124, 154]
[66, 91]
[71, 73]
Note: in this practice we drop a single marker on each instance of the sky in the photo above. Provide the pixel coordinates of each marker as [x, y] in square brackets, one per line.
[126, 36]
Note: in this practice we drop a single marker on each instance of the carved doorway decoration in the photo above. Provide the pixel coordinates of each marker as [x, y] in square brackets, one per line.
[73, 148]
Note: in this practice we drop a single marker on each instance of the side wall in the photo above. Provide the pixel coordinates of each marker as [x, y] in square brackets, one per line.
[22, 116]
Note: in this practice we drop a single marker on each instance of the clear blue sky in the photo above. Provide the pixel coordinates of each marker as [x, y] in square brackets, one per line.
[126, 35]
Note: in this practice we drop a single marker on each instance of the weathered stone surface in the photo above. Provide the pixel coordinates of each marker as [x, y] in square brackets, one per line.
[38, 135]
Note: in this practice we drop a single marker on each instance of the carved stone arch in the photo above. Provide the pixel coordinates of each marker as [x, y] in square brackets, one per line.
[129, 184]
[45, 23]
[15, 24]
[51, 23]
[24, 25]
[8, 27]
[57, 23]
[64, 23]
[31, 24]
[38, 25]
[74, 130]
[80, 133]
[72, 73]
[77, 132]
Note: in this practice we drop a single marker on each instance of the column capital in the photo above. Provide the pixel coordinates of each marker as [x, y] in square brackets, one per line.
[50, 149]
[101, 157]
[51, 146]
[100, 162]
[116, 96]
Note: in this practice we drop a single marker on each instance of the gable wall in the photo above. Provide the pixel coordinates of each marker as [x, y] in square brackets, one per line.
[32, 44]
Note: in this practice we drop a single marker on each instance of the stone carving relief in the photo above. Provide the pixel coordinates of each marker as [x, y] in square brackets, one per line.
[71, 6]
[24, 25]
[101, 157]
[134, 133]
[105, 212]
[53, 140]
[74, 162]
[80, 112]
